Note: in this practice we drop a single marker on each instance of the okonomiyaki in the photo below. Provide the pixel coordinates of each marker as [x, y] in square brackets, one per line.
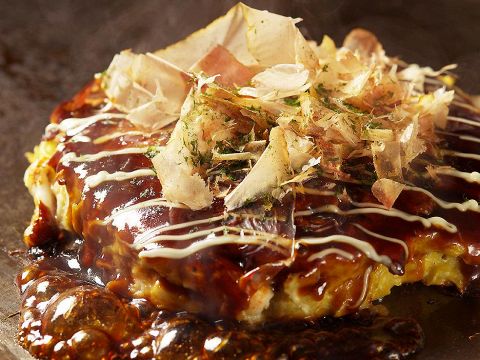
[249, 174]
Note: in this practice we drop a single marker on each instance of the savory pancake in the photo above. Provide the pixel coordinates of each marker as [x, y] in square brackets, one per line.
[250, 174]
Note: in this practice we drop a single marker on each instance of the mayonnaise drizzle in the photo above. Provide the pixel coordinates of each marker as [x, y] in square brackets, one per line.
[433, 81]
[330, 251]
[460, 136]
[103, 176]
[383, 237]
[182, 237]
[141, 205]
[80, 138]
[73, 126]
[71, 157]
[473, 177]
[469, 205]
[193, 235]
[464, 121]
[366, 276]
[461, 154]
[145, 237]
[310, 191]
[466, 106]
[116, 135]
[426, 222]
[361, 245]
[107, 107]
[210, 241]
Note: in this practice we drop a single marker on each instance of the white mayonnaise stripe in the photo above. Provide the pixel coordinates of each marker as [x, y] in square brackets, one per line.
[80, 138]
[383, 237]
[183, 237]
[368, 204]
[461, 154]
[433, 81]
[460, 136]
[116, 135]
[466, 106]
[469, 205]
[203, 244]
[310, 191]
[366, 276]
[144, 204]
[106, 108]
[326, 252]
[234, 156]
[193, 235]
[427, 222]
[73, 126]
[103, 176]
[145, 237]
[361, 245]
[464, 121]
[71, 157]
[473, 177]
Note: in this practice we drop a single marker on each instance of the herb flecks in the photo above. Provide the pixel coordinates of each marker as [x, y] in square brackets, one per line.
[373, 125]
[152, 151]
[292, 101]
[354, 109]
[321, 90]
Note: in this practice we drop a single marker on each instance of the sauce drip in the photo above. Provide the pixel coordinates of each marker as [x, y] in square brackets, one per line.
[65, 315]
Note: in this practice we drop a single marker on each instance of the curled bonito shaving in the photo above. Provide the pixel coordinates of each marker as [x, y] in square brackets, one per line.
[251, 77]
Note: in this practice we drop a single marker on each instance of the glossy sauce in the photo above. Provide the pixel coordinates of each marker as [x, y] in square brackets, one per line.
[65, 316]
[77, 293]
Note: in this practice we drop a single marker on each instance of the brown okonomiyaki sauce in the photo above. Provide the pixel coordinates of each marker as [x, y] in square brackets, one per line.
[67, 314]
[76, 299]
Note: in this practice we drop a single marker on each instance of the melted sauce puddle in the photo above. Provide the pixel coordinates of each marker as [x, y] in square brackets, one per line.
[66, 315]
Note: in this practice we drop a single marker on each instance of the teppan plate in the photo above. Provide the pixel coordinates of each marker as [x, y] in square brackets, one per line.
[49, 50]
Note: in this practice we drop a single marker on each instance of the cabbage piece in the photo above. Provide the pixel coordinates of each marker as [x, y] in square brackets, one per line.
[219, 60]
[387, 191]
[62, 204]
[271, 170]
[279, 81]
[378, 135]
[416, 74]
[434, 107]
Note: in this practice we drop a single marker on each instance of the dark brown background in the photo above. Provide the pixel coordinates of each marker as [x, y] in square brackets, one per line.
[49, 49]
